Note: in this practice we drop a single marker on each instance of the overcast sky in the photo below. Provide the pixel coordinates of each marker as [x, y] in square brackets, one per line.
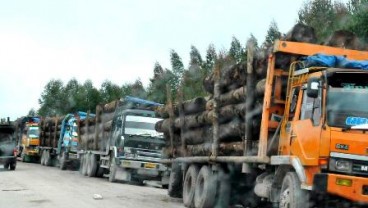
[116, 40]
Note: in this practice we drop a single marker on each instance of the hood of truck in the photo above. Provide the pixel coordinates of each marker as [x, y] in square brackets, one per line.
[349, 141]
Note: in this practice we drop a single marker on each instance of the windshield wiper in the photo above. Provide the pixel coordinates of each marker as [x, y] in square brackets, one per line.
[356, 127]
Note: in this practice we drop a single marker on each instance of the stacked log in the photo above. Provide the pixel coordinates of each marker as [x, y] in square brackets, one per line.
[50, 129]
[95, 129]
[194, 126]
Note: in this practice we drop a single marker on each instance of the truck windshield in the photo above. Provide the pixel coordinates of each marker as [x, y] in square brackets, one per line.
[140, 125]
[33, 132]
[347, 96]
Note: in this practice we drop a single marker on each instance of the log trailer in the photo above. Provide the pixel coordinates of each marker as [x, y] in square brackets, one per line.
[28, 137]
[312, 147]
[60, 140]
[122, 141]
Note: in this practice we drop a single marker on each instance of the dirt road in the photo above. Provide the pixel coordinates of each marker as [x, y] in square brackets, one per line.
[33, 185]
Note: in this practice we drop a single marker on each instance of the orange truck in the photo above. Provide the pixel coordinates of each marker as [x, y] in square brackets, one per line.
[316, 118]
[28, 136]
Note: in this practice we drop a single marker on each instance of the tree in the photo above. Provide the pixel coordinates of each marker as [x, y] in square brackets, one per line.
[89, 97]
[137, 89]
[236, 51]
[193, 77]
[324, 16]
[177, 68]
[358, 22]
[156, 90]
[211, 57]
[32, 112]
[273, 33]
[72, 97]
[109, 91]
[52, 99]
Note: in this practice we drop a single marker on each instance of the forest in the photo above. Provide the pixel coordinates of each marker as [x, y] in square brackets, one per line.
[60, 98]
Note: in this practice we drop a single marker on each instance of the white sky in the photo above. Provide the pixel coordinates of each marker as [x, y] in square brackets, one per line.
[116, 40]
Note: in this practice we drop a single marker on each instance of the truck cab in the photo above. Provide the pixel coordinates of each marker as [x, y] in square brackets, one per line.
[30, 138]
[325, 127]
[139, 145]
[8, 150]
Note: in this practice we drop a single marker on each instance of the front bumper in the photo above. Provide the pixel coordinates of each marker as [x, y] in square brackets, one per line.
[7, 159]
[151, 169]
[357, 191]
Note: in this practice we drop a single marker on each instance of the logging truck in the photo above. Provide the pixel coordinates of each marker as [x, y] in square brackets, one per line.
[297, 139]
[59, 140]
[8, 151]
[121, 141]
[28, 137]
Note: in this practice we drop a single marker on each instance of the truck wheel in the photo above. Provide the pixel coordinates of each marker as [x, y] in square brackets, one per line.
[81, 164]
[63, 160]
[175, 188]
[189, 185]
[13, 165]
[85, 164]
[291, 195]
[91, 172]
[47, 158]
[42, 157]
[6, 166]
[205, 188]
[100, 172]
[112, 173]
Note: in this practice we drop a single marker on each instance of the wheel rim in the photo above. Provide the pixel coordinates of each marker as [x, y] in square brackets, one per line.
[285, 199]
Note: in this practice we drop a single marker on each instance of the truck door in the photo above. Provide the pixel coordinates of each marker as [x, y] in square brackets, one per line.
[305, 129]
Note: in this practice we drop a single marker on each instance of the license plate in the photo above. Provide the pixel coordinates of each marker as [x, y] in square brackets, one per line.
[150, 165]
[126, 163]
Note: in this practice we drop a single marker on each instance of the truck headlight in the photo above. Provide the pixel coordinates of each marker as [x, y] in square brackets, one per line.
[340, 165]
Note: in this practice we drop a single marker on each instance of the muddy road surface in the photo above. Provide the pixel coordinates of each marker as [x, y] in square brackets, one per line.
[33, 185]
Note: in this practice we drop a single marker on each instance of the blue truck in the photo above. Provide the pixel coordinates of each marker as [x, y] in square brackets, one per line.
[59, 140]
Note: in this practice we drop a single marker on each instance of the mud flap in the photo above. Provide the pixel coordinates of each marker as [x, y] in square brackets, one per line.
[123, 174]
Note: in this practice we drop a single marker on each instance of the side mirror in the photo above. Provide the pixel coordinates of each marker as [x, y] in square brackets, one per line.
[313, 87]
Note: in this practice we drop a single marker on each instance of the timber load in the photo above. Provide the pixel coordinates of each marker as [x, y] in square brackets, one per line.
[50, 128]
[229, 118]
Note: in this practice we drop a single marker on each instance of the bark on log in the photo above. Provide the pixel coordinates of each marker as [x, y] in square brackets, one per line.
[232, 131]
[344, 39]
[225, 149]
[301, 33]
[232, 76]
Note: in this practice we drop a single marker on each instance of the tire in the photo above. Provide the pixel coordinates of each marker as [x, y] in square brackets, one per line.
[291, 195]
[189, 185]
[112, 173]
[85, 164]
[100, 172]
[92, 169]
[175, 188]
[205, 188]
[6, 166]
[42, 161]
[63, 160]
[47, 158]
[81, 164]
[13, 166]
